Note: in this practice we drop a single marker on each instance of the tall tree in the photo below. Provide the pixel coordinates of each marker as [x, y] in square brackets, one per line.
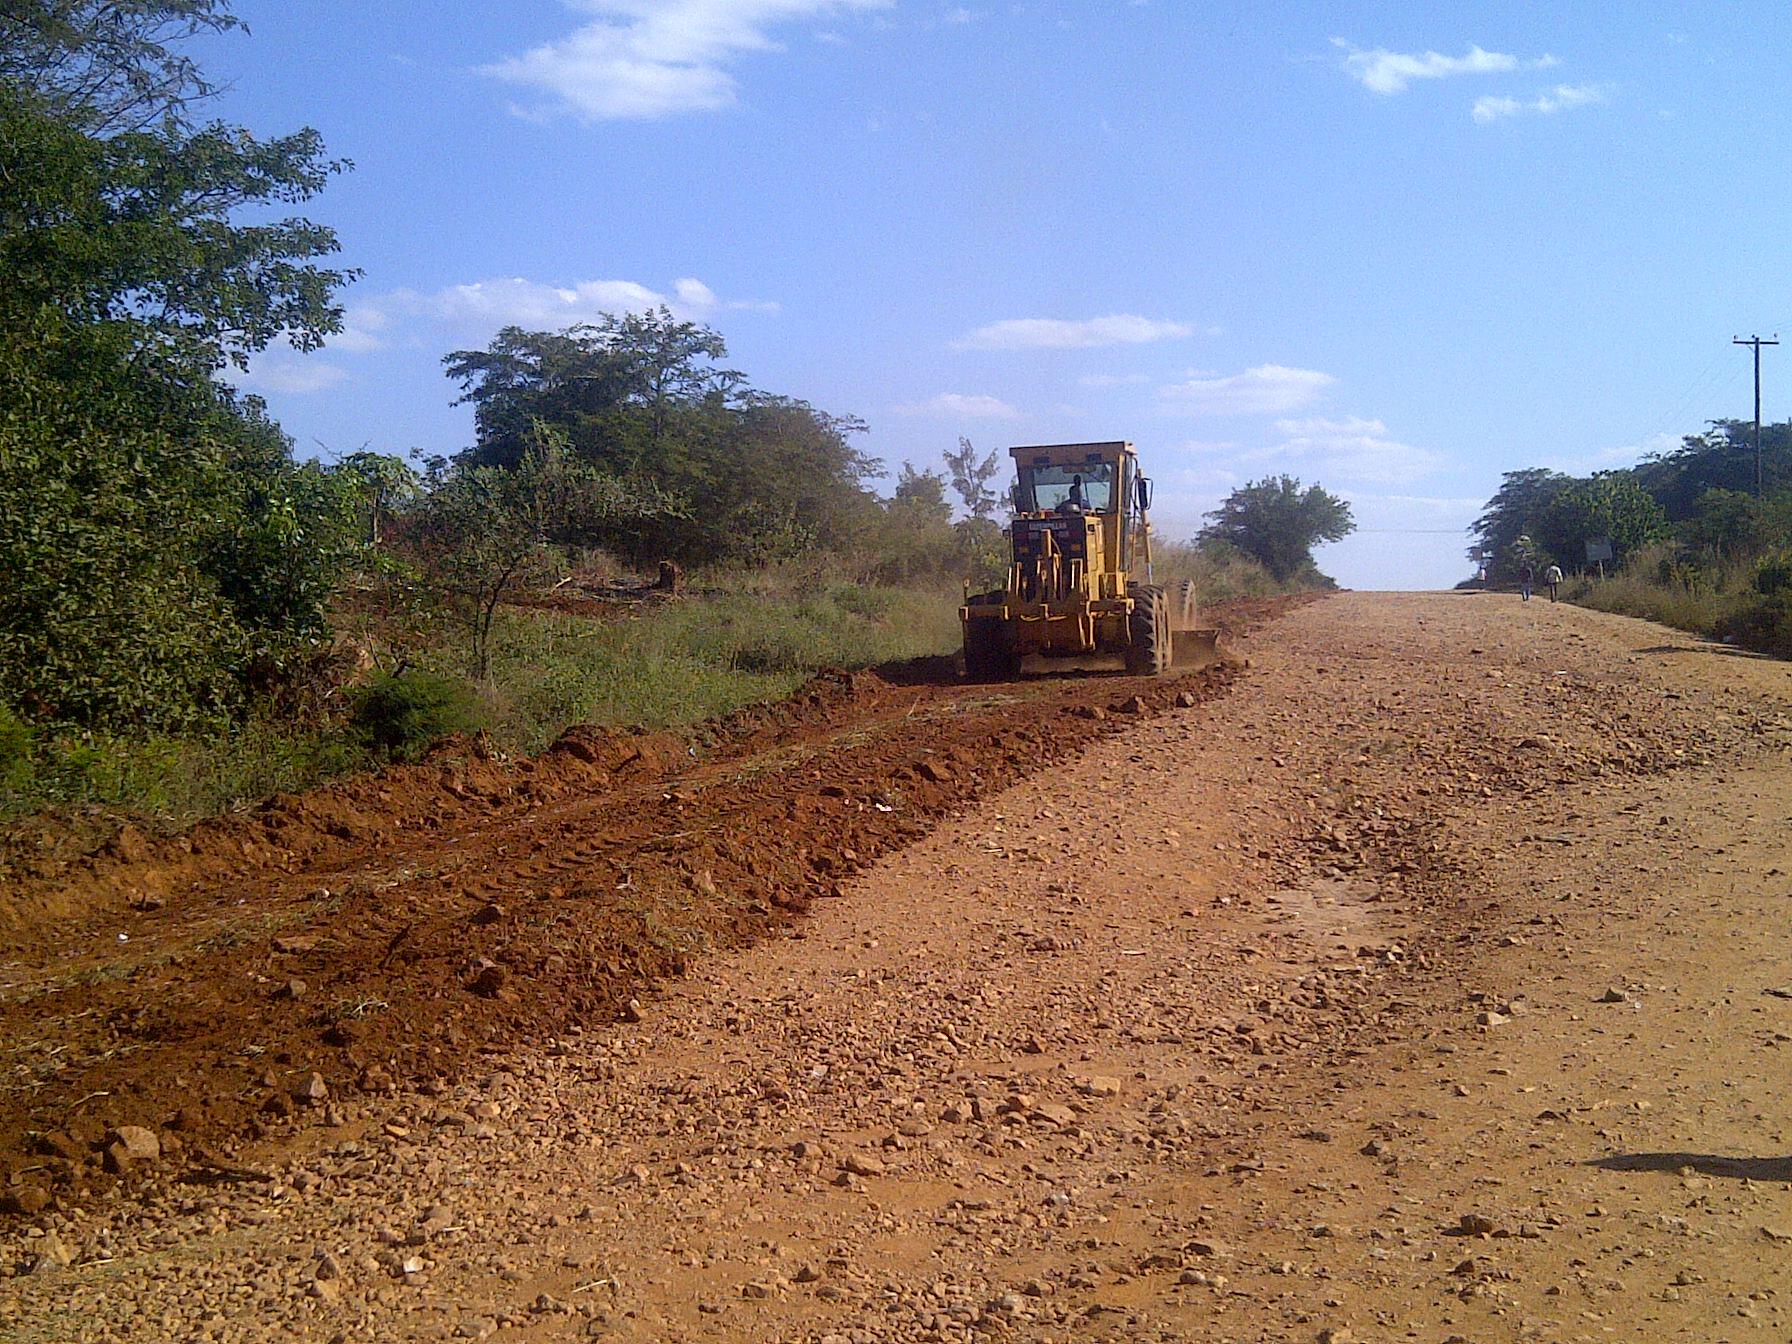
[1516, 510]
[175, 551]
[971, 477]
[1279, 522]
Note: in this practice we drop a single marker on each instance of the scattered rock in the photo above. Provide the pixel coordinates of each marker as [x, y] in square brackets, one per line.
[27, 1200]
[862, 1164]
[490, 981]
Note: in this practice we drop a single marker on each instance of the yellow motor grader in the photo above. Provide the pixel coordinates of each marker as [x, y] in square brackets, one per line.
[1079, 590]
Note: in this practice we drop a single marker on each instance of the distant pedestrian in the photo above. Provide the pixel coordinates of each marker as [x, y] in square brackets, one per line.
[1553, 577]
[1526, 577]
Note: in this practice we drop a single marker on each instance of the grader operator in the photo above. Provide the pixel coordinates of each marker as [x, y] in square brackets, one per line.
[1079, 587]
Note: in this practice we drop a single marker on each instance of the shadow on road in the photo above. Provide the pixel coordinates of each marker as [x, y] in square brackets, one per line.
[1726, 650]
[1706, 1164]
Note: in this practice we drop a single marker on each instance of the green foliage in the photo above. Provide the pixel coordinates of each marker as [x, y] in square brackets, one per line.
[971, 478]
[165, 556]
[1220, 571]
[640, 401]
[177, 779]
[484, 530]
[1512, 518]
[1277, 522]
[1773, 574]
[1609, 504]
[16, 743]
[108, 65]
[1722, 458]
[401, 716]
[760, 639]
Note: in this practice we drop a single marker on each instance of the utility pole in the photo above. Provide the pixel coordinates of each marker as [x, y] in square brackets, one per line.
[1757, 342]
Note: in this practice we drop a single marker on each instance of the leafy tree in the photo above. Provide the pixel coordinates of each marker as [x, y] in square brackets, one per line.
[383, 484]
[484, 531]
[110, 65]
[1278, 522]
[642, 400]
[971, 478]
[1515, 511]
[1722, 458]
[172, 552]
[1610, 504]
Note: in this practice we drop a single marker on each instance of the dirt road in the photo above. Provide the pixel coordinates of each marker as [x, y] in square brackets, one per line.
[1429, 981]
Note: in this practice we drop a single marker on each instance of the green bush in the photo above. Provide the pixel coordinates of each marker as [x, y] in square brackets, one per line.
[1773, 574]
[15, 751]
[402, 715]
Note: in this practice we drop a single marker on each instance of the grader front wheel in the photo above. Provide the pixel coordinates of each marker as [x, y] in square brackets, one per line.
[1148, 632]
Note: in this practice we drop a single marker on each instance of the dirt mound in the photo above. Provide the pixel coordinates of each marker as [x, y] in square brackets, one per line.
[233, 980]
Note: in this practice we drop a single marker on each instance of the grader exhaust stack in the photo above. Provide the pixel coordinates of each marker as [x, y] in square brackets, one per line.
[1079, 589]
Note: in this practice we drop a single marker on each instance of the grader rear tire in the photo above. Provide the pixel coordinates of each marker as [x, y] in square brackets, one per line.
[1183, 607]
[1148, 632]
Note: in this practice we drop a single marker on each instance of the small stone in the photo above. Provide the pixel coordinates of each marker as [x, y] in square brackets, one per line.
[26, 1199]
[489, 983]
[139, 1144]
[51, 1254]
[1337, 1334]
[1187, 699]
[1489, 1018]
[1055, 1114]
[631, 1011]
[290, 990]
[1101, 1085]
[862, 1164]
[937, 772]
[808, 1272]
[1476, 1225]
[311, 1089]
[756, 1291]
[1613, 996]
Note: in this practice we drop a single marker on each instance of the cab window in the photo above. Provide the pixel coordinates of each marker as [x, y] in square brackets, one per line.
[1043, 488]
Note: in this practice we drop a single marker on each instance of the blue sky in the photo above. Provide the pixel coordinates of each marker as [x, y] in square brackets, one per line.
[1397, 249]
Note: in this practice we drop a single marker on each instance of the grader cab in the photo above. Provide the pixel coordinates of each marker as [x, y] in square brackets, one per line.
[1079, 590]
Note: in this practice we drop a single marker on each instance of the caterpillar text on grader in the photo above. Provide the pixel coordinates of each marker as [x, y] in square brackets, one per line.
[1079, 588]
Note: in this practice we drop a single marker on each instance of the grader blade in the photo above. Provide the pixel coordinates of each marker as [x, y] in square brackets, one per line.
[1195, 648]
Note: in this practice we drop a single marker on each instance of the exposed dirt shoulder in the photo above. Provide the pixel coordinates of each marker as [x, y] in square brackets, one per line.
[386, 929]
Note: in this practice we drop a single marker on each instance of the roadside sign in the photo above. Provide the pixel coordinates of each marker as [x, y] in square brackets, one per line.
[1598, 549]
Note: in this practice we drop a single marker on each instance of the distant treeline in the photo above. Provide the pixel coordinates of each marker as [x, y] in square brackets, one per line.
[1700, 496]
[1693, 543]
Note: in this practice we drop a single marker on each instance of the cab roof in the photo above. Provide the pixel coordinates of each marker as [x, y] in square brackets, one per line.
[1065, 454]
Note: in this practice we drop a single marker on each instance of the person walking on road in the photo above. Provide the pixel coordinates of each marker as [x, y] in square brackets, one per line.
[1553, 577]
[1526, 577]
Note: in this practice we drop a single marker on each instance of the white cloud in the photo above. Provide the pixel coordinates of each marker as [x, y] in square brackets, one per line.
[287, 372]
[957, 406]
[1350, 448]
[642, 59]
[1268, 389]
[1562, 98]
[1049, 333]
[478, 309]
[1389, 72]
